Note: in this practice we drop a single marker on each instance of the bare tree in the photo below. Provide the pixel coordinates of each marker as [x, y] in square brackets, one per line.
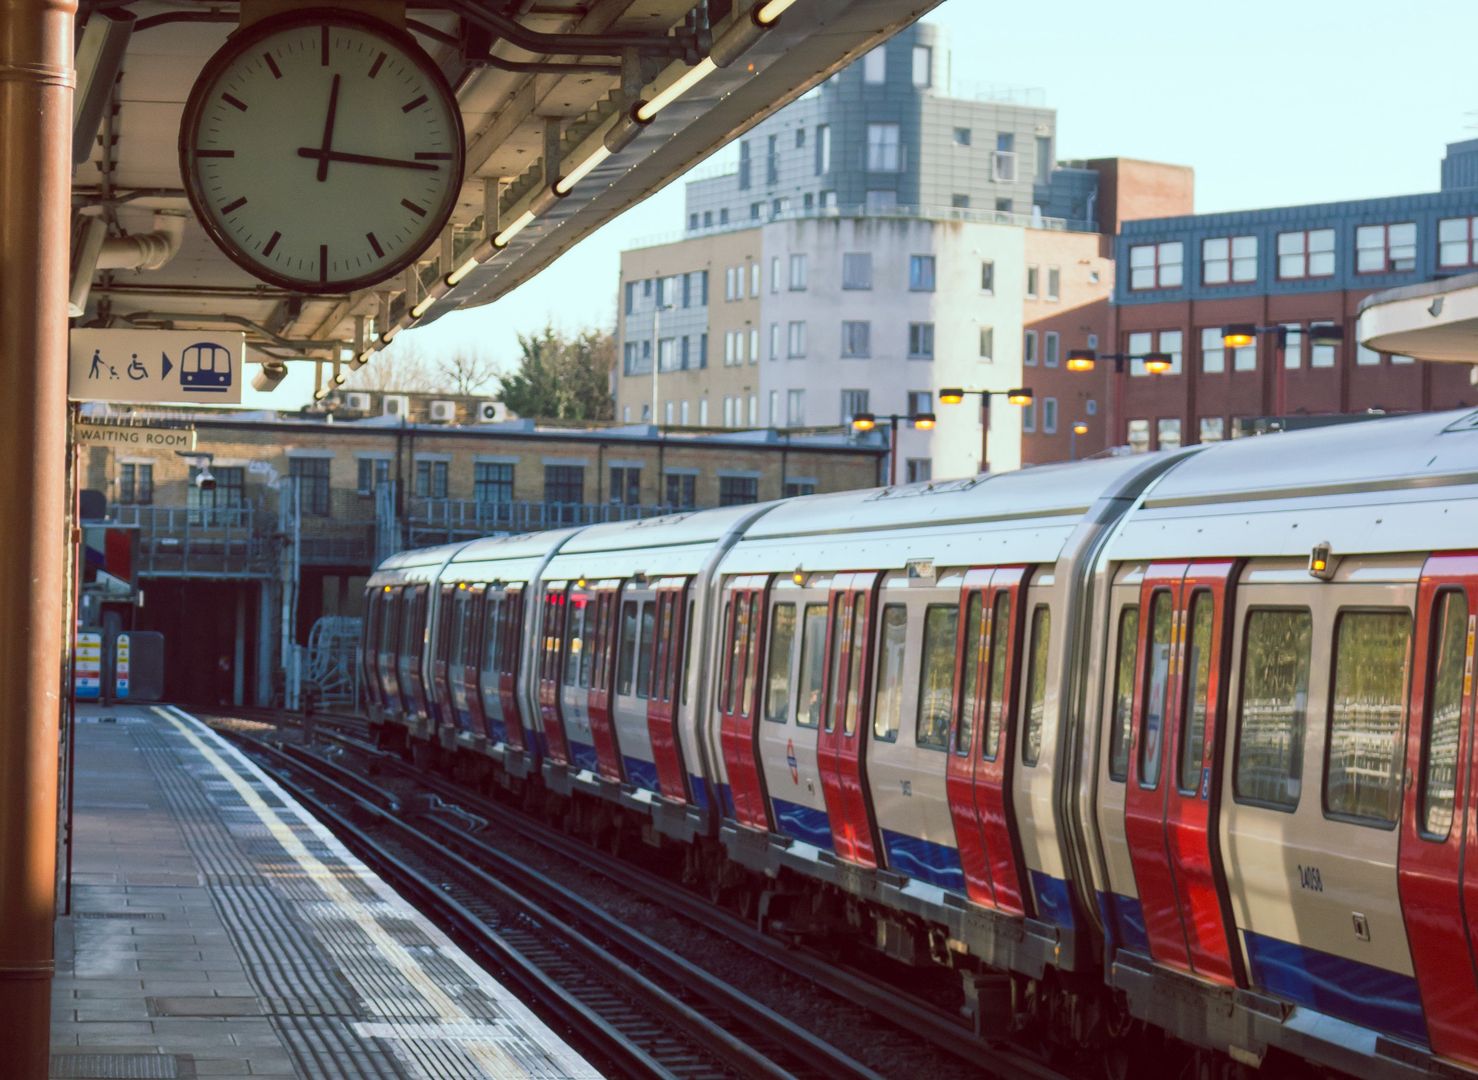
[466, 373]
[401, 368]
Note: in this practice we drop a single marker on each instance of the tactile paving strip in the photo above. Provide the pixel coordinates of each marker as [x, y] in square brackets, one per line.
[118, 1067]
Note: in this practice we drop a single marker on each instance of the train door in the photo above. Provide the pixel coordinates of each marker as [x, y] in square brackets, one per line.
[742, 646]
[1438, 864]
[1173, 787]
[490, 666]
[551, 646]
[385, 648]
[667, 756]
[790, 712]
[408, 667]
[842, 739]
[983, 736]
[574, 676]
[616, 621]
[510, 654]
[468, 645]
[443, 706]
[370, 645]
[637, 685]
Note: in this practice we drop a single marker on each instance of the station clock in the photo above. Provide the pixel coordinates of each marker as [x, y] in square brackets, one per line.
[322, 150]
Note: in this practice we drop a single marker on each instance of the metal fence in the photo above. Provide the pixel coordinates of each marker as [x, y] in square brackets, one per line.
[434, 521]
[233, 541]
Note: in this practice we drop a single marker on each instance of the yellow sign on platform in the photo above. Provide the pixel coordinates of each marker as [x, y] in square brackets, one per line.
[132, 437]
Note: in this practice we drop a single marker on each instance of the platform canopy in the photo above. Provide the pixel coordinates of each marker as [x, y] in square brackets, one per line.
[1436, 320]
[533, 78]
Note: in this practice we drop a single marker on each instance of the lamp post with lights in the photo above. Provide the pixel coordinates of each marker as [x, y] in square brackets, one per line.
[1085, 360]
[1020, 396]
[866, 421]
[1080, 427]
[1240, 335]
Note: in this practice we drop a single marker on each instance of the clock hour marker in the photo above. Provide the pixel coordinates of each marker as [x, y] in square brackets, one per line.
[375, 243]
[215, 153]
[323, 262]
[323, 46]
[272, 243]
[236, 101]
[416, 104]
[272, 66]
[231, 208]
[375, 67]
[424, 156]
[419, 211]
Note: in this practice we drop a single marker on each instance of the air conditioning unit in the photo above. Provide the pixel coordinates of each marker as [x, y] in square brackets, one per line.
[395, 405]
[357, 401]
[443, 412]
[491, 412]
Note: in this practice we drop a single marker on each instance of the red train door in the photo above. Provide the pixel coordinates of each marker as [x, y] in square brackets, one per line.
[743, 638]
[510, 652]
[672, 605]
[443, 709]
[1438, 864]
[550, 649]
[600, 638]
[470, 656]
[1175, 755]
[841, 742]
[983, 739]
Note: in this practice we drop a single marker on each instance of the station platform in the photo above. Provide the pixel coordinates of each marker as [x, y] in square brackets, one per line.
[218, 930]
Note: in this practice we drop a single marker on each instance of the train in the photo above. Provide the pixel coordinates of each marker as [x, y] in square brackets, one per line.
[1153, 749]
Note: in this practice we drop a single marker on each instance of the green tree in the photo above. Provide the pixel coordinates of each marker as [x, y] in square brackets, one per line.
[561, 377]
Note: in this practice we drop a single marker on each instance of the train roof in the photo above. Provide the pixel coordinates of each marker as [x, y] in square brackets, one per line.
[675, 544]
[1282, 494]
[520, 546]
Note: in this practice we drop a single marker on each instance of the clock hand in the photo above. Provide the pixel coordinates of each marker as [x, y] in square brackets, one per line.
[325, 156]
[328, 130]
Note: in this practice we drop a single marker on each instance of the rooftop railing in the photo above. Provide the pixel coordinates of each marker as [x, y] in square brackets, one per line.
[187, 541]
[434, 521]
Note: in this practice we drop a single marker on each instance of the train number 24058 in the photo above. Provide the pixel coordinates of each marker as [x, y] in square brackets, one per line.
[1308, 878]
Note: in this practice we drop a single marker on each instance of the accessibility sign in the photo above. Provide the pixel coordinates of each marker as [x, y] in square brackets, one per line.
[167, 367]
[88, 432]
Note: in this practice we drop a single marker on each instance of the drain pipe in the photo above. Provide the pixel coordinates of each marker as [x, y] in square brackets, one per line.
[145, 251]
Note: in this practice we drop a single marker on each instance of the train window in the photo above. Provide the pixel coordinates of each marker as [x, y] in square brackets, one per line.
[1157, 693]
[995, 697]
[493, 638]
[1193, 726]
[813, 666]
[854, 671]
[1274, 697]
[974, 650]
[389, 608]
[627, 661]
[459, 632]
[645, 649]
[887, 709]
[409, 645]
[1124, 692]
[777, 665]
[738, 640]
[751, 655]
[661, 632]
[574, 637]
[1036, 684]
[1362, 769]
[937, 682]
[837, 651]
[1444, 715]
[591, 643]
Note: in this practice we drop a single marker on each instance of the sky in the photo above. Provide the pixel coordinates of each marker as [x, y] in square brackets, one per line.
[1272, 102]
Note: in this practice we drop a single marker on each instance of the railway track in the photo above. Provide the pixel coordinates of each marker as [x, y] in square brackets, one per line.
[625, 998]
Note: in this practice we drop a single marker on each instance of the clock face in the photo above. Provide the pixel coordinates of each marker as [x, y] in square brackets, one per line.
[322, 151]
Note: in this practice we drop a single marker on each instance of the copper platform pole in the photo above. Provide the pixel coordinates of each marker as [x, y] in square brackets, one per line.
[36, 80]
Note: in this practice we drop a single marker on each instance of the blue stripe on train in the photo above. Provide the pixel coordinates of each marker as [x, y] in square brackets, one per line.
[700, 790]
[726, 801]
[924, 860]
[1123, 920]
[1372, 997]
[583, 756]
[803, 823]
[1054, 900]
[641, 773]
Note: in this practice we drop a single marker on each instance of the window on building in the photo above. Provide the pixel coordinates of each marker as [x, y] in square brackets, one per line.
[918, 470]
[772, 160]
[1274, 700]
[987, 343]
[564, 485]
[880, 201]
[1156, 266]
[723, 215]
[1214, 353]
[1366, 750]
[754, 345]
[703, 412]
[1044, 159]
[962, 136]
[1457, 242]
[800, 138]
[853, 402]
[625, 485]
[1049, 416]
[856, 339]
[1141, 343]
[754, 410]
[1033, 282]
[683, 414]
[754, 211]
[1054, 283]
[311, 477]
[630, 297]
[883, 153]
[1168, 433]
[1306, 254]
[667, 354]
[1322, 355]
[492, 482]
[372, 473]
[1029, 348]
[796, 340]
[921, 273]
[1381, 249]
[920, 401]
[136, 483]
[921, 341]
[808, 201]
[667, 410]
[1364, 356]
[922, 66]
[857, 270]
[754, 278]
[738, 490]
[875, 65]
[988, 276]
[795, 408]
[823, 149]
[1138, 436]
[681, 490]
[774, 341]
[1213, 429]
[1051, 348]
[1029, 417]
[1004, 205]
[229, 493]
[744, 165]
[797, 273]
[708, 219]
[795, 488]
[431, 479]
[1228, 259]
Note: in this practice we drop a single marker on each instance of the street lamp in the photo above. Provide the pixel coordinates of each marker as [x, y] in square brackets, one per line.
[1240, 335]
[866, 421]
[1080, 427]
[1156, 363]
[1020, 396]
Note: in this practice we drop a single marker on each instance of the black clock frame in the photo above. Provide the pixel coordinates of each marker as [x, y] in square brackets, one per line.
[242, 42]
